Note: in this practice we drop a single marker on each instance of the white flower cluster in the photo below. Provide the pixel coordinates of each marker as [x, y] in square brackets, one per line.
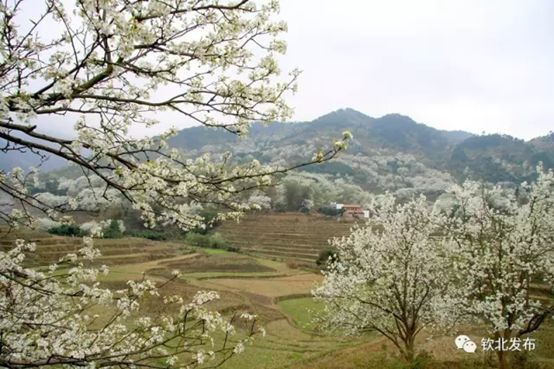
[388, 275]
[500, 244]
[62, 316]
[116, 64]
[484, 255]
[97, 228]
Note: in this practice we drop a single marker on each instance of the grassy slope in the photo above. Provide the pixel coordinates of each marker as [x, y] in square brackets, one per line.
[302, 311]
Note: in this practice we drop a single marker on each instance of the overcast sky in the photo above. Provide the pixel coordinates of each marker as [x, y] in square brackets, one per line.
[452, 64]
[474, 65]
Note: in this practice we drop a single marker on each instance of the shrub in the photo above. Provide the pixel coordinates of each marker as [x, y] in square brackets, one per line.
[325, 256]
[214, 241]
[113, 229]
[66, 230]
[151, 235]
[218, 242]
[330, 211]
[197, 239]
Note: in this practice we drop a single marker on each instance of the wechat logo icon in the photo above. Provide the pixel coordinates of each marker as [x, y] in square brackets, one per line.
[465, 343]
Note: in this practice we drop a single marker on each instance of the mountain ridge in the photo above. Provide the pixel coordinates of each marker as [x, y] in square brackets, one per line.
[391, 148]
[461, 154]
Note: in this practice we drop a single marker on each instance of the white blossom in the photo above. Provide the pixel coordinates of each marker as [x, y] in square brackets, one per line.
[388, 275]
[500, 252]
[113, 65]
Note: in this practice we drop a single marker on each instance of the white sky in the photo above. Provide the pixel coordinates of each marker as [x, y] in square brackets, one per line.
[474, 65]
[453, 64]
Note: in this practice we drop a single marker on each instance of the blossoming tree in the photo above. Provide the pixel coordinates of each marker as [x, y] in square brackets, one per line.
[111, 65]
[501, 249]
[106, 67]
[388, 275]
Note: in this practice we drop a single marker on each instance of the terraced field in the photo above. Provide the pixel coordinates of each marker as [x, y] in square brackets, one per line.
[277, 293]
[289, 236]
[289, 340]
[114, 251]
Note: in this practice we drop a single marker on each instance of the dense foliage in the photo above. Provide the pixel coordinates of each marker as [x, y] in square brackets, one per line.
[388, 153]
[213, 240]
[66, 230]
[112, 230]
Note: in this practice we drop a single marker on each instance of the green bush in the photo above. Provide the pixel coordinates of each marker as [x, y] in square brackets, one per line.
[214, 241]
[66, 230]
[151, 235]
[325, 256]
[197, 239]
[330, 211]
[112, 230]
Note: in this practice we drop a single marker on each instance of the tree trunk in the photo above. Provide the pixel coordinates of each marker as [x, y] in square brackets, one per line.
[503, 360]
[504, 357]
[409, 349]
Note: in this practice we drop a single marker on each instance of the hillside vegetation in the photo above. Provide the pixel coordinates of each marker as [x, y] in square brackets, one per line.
[390, 153]
[385, 153]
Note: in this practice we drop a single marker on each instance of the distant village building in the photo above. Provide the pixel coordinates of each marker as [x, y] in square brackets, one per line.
[352, 210]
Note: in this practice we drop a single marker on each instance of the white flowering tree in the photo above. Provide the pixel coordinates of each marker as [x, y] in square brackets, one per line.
[388, 275]
[501, 250]
[108, 66]
[61, 316]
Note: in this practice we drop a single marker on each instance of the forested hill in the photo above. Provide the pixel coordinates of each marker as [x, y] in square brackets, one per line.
[390, 153]
[393, 132]
[389, 148]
